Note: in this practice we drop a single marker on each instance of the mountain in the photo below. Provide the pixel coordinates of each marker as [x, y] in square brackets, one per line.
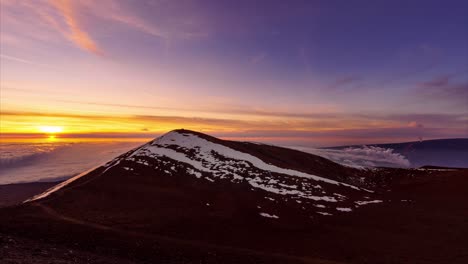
[438, 152]
[187, 197]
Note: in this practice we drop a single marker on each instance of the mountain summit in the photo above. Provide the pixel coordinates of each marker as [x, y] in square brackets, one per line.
[279, 176]
[187, 197]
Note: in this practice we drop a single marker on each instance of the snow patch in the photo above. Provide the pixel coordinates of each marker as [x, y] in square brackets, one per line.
[205, 151]
[269, 215]
[194, 172]
[368, 202]
[344, 209]
[324, 213]
[223, 162]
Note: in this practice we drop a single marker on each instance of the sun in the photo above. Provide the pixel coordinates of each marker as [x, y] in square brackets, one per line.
[51, 129]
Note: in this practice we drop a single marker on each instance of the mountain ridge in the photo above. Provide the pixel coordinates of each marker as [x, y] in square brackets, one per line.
[221, 161]
[187, 197]
[450, 152]
[398, 143]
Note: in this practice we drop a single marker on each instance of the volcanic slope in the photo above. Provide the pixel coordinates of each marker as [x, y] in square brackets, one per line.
[186, 197]
[280, 176]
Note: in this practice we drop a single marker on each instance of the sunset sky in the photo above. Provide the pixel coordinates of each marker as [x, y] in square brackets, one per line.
[309, 72]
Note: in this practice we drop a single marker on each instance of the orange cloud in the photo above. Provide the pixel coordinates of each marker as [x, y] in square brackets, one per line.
[75, 33]
[166, 28]
[46, 18]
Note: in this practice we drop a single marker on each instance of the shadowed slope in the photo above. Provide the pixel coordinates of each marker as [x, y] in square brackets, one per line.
[187, 194]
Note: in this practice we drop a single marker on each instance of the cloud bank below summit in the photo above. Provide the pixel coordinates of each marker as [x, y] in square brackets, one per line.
[365, 156]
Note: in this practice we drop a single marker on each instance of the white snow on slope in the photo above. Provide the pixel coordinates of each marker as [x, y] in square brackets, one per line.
[368, 202]
[269, 215]
[343, 209]
[324, 213]
[212, 161]
[285, 191]
[205, 153]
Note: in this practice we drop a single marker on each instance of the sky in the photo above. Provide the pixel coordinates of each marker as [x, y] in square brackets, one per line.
[316, 73]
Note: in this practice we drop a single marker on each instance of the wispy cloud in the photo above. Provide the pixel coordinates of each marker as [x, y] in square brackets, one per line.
[436, 82]
[80, 22]
[344, 82]
[26, 61]
[75, 32]
[304, 57]
[444, 87]
[134, 22]
[258, 58]
[44, 20]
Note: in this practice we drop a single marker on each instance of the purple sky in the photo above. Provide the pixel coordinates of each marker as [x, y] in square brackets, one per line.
[314, 72]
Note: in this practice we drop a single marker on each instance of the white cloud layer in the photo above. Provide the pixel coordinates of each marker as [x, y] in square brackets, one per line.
[365, 156]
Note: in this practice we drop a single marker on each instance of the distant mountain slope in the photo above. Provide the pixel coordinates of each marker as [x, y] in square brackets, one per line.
[438, 152]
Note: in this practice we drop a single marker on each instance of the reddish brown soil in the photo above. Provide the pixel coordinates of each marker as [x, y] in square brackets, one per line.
[432, 227]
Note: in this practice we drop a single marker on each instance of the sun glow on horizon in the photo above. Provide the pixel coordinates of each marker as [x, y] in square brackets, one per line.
[51, 129]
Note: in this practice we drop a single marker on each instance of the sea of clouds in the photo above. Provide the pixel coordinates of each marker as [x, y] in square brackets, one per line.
[33, 162]
[363, 156]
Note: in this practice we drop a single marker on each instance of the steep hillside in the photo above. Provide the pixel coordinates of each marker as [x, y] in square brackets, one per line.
[186, 197]
[279, 176]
